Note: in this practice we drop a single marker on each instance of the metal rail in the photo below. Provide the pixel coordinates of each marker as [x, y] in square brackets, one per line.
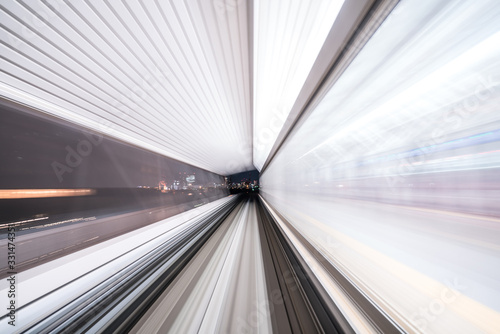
[117, 303]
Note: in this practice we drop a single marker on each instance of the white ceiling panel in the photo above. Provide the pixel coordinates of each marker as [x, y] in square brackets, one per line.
[169, 76]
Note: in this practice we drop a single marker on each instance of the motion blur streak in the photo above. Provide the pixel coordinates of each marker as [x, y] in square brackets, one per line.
[216, 291]
[359, 139]
[44, 193]
[395, 175]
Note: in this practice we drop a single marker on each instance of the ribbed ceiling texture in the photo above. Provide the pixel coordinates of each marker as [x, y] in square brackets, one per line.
[174, 77]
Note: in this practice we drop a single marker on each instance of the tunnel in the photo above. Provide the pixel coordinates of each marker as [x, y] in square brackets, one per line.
[250, 166]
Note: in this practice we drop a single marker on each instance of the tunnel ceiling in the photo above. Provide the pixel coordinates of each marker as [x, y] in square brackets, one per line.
[191, 80]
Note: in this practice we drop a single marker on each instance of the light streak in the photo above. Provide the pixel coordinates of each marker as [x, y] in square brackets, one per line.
[43, 193]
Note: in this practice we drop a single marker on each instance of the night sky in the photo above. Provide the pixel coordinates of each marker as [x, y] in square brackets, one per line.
[245, 176]
[39, 151]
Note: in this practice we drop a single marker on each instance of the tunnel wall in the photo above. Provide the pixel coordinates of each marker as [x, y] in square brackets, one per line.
[399, 162]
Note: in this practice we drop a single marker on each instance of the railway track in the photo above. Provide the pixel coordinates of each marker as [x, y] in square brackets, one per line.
[234, 269]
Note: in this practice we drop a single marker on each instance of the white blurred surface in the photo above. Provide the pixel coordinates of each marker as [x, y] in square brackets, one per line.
[288, 36]
[395, 175]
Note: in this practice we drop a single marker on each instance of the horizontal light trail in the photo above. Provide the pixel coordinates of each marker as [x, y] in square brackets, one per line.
[44, 193]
